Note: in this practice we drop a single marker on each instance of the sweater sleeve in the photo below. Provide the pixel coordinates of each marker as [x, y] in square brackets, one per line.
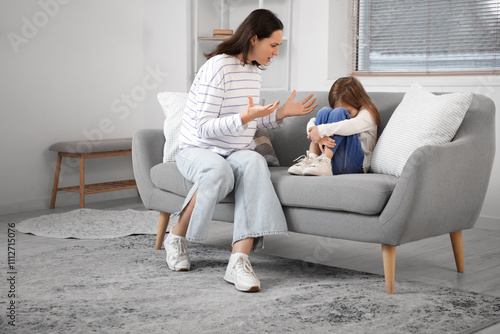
[269, 121]
[210, 94]
[361, 123]
[310, 124]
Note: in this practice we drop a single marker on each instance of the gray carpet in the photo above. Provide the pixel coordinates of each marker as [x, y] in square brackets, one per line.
[122, 285]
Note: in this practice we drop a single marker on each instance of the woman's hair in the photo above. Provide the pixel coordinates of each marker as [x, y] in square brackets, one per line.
[350, 91]
[260, 22]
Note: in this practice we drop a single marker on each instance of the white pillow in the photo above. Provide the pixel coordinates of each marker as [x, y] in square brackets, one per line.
[421, 118]
[173, 104]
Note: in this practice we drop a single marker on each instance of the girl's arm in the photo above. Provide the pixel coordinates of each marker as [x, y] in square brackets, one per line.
[361, 123]
[310, 124]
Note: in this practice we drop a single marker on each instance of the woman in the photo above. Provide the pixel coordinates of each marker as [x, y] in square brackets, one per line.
[216, 148]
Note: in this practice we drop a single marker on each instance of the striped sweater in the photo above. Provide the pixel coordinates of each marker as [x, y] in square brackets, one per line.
[216, 99]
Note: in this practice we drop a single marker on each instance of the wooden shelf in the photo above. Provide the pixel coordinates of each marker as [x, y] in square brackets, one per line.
[214, 38]
[102, 187]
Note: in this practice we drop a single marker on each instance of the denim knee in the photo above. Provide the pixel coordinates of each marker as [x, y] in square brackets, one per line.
[339, 114]
[219, 177]
[253, 164]
[322, 116]
[257, 163]
[329, 115]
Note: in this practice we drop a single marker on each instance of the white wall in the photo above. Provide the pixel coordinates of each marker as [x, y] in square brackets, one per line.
[92, 52]
[309, 45]
[66, 77]
[167, 44]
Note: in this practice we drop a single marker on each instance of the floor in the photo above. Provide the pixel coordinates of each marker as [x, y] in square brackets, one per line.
[429, 261]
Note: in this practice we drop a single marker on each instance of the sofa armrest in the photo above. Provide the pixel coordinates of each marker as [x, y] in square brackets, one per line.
[442, 187]
[147, 151]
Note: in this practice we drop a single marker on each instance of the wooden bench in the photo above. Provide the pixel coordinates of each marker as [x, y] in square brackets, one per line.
[90, 149]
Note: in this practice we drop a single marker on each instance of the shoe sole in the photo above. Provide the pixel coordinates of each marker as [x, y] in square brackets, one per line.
[182, 269]
[251, 289]
[312, 174]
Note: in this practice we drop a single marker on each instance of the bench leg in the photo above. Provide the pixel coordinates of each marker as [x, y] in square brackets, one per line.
[82, 182]
[56, 181]
[162, 229]
[389, 258]
[458, 250]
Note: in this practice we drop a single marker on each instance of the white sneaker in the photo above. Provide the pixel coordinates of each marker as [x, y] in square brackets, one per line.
[177, 254]
[242, 276]
[302, 162]
[322, 166]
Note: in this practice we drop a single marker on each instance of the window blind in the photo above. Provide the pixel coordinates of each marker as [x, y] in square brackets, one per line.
[425, 36]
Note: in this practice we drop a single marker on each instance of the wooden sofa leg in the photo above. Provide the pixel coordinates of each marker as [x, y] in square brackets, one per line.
[458, 250]
[162, 229]
[389, 258]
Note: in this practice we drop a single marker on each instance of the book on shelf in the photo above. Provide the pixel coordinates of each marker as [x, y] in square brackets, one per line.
[223, 32]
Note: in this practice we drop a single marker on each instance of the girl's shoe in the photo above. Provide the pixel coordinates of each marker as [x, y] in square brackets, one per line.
[302, 162]
[322, 166]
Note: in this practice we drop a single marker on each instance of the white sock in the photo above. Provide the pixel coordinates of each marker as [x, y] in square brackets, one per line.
[313, 155]
[174, 236]
[232, 260]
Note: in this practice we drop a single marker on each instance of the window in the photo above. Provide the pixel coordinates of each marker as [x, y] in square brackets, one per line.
[426, 37]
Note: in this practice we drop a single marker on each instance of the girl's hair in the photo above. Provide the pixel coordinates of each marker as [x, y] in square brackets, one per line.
[350, 91]
[260, 22]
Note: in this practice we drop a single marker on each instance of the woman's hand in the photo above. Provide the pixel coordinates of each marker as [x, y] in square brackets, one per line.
[254, 111]
[321, 141]
[291, 108]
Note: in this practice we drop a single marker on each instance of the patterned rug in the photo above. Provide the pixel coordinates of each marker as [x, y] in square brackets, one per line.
[92, 224]
[122, 285]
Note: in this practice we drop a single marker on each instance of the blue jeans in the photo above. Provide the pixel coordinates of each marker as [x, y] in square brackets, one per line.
[348, 155]
[257, 210]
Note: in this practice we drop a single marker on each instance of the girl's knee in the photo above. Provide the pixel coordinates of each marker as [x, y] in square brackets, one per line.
[323, 115]
[329, 115]
[339, 114]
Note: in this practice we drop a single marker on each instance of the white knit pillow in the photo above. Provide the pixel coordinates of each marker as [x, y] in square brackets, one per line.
[421, 118]
[173, 104]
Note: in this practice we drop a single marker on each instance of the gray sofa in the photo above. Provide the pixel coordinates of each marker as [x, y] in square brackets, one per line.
[441, 189]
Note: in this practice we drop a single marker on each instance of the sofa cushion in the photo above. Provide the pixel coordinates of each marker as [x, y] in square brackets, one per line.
[359, 193]
[264, 146]
[173, 104]
[422, 118]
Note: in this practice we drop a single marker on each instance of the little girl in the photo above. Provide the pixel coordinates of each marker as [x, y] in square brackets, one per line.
[348, 128]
